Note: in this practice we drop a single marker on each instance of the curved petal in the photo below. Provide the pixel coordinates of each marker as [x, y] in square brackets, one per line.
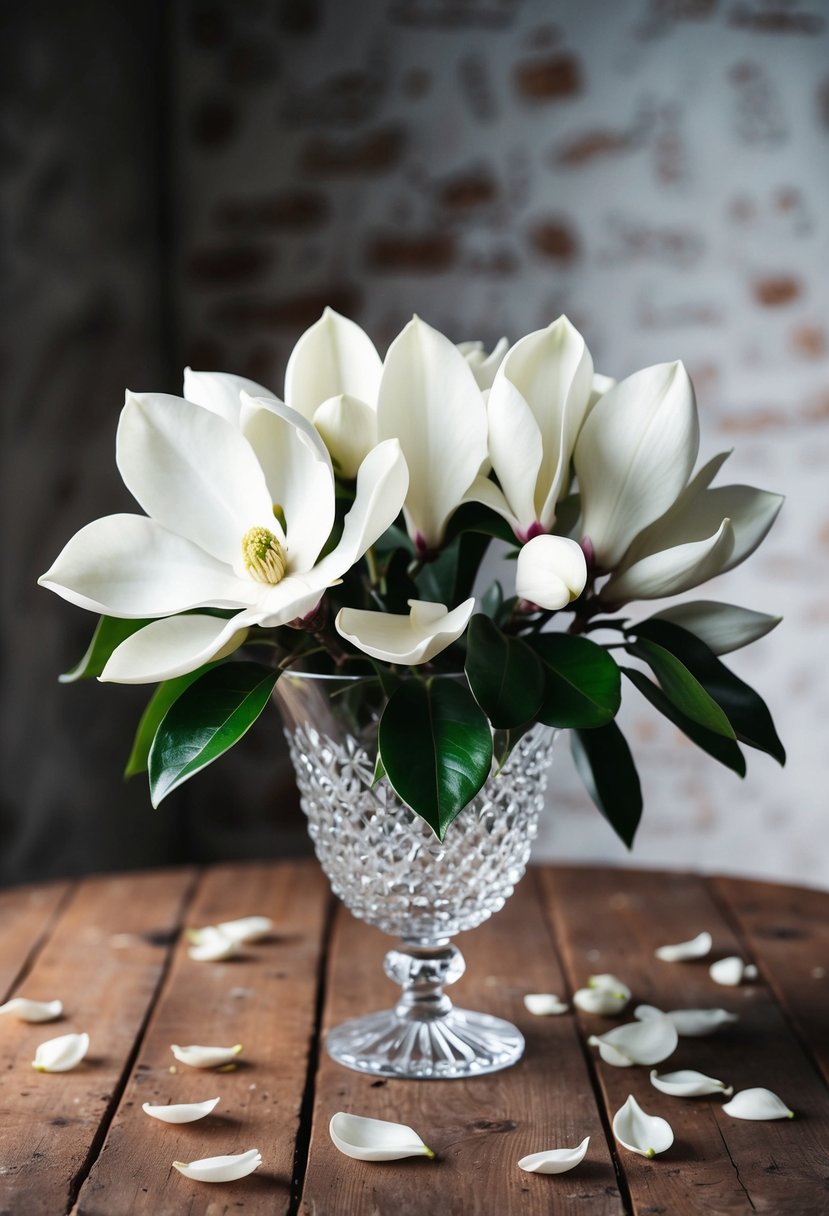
[723, 627]
[554, 1160]
[671, 571]
[334, 356]
[482, 365]
[245, 929]
[220, 392]
[679, 952]
[515, 447]
[412, 639]
[640, 1132]
[375, 1139]
[213, 946]
[32, 1011]
[180, 1112]
[428, 399]
[61, 1054]
[688, 1083]
[205, 1057]
[192, 471]
[604, 994]
[634, 456]
[130, 566]
[757, 1103]
[349, 428]
[551, 571]
[544, 1005]
[690, 1023]
[172, 647]
[732, 971]
[491, 495]
[229, 1168]
[645, 1042]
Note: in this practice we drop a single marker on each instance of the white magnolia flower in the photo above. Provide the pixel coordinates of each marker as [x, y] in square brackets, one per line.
[732, 971]
[757, 1104]
[484, 364]
[375, 1139]
[182, 1112]
[544, 1004]
[554, 1160]
[245, 929]
[221, 393]
[690, 1023]
[697, 947]
[723, 627]
[32, 1011]
[395, 638]
[205, 1057]
[213, 946]
[639, 1132]
[221, 1169]
[604, 994]
[216, 496]
[647, 1042]
[688, 1084]
[551, 571]
[61, 1054]
[429, 400]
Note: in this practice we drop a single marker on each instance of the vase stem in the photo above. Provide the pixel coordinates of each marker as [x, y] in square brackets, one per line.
[423, 970]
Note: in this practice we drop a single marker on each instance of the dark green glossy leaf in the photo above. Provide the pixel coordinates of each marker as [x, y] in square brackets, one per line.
[584, 688]
[727, 751]
[157, 706]
[475, 517]
[472, 547]
[436, 748]
[109, 632]
[492, 601]
[606, 767]
[745, 709]
[205, 721]
[506, 678]
[681, 688]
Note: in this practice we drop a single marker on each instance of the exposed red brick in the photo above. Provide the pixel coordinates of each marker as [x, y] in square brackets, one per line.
[812, 341]
[591, 146]
[779, 19]
[290, 209]
[467, 190]
[549, 78]
[372, 153]
[214, 123]
[295, 312]
[776, 290]
[229, 265]
[555, 239]
[425, 253]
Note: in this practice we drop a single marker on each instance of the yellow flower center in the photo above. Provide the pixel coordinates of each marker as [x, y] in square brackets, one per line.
[263, 556]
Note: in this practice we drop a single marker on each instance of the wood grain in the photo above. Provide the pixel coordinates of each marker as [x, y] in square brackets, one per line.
[26, 916]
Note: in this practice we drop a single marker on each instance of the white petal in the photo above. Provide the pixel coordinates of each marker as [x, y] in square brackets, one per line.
[671, 571]
[61, 1054]
[334, 356]
[723, 627]
[412, 639]
[690, 1023]
[32, 1011]
[609, 982]
[551, 571]
[757, 1104]
[601, 385]
[349, 428]
[697, 947]
[554, 1160]
[221, 1169]
[731, 971]
[544, 1004]
[634, 455]
[483, 365]
[516, 449]
[220, 392]
[645, 1042]
[205, 1057]
[686, 1083]
[245, 929]
[213, 946]
[182, 1112]
[375, 1139]
[428, 399]
[172, 647]
[605, 994]
[639, 1132]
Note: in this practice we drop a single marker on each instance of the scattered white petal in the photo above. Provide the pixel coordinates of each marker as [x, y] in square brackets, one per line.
[544, 1004]
[697, 947]
[732, 971]
[639, 1132]
[207, 1057]
[646, 1042]
[375, 1139]
[689, 1084]
[554, 1160]
[757, 1104]
[182, 1112]
[605, 994]
[221, 1169]
[61, 1054]
[245, 929]
[32, 1011]
[213, 946]
[690, 1023]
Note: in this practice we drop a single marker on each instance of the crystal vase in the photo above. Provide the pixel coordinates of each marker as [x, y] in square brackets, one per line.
[390, 870]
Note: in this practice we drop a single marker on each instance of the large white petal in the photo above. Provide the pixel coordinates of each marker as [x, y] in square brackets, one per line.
[130, 566]
[672, 571]
[551, 571]
[484, 365]
[25, 1010]
[228, 1168]
[634, 455]
[412, 639]
[688, 1083]
[640, 1132]
[220, 392]
[554, 1160]
[193, 472]
[491, 495]
[197, 1056]
[757, 1103]
[334, 356]
[349, 428]
[180, 1112]
[429, 400]
[61, 1054]
[172, 647]
[647, 1042]
[375, 1139]
[723, 627]
[516, 449]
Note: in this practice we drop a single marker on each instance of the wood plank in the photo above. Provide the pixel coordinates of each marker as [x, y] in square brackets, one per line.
[478, 1128]
[26, 916]
[104, 961]
[787, 931]
[266, 1000]
[610, 920]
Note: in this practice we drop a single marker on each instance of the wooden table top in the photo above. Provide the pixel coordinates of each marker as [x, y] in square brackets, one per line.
[112, 949]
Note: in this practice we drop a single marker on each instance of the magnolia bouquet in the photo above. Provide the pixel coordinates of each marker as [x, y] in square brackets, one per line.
[345, 528]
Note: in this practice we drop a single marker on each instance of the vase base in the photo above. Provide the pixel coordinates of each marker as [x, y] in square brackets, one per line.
[460, 1044]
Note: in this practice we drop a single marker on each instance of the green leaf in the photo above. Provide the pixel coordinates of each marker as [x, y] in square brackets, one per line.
[584, 688]
[157, 706]
[727, 751]
[506, 678]
[606, 767]
[745, 709]
[681, 688]
[475, 517]
[472, 547]
[492, 601]
[206, 720]
[109, 632]
[436, 748]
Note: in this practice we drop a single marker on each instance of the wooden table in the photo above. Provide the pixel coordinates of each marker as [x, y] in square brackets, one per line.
[113, 950]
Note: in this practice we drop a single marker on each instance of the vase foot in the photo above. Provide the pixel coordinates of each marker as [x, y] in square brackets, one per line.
[460, 1044]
